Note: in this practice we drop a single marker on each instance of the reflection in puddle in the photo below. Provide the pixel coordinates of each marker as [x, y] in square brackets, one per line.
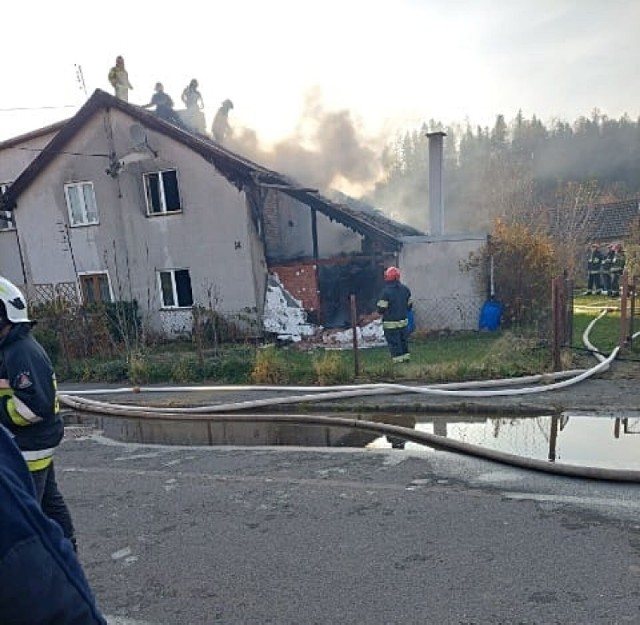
[569, 438]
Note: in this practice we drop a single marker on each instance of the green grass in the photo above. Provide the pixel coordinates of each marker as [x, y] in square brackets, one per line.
[454, 357]
[605, 334]
[435, 357]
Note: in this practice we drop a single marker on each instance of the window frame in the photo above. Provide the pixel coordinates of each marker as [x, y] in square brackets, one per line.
[84, 209]
[85, 276]
[10, 224]
[176, 290]
[161, 192]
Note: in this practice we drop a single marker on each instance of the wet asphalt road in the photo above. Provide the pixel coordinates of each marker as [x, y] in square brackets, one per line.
[177, 536]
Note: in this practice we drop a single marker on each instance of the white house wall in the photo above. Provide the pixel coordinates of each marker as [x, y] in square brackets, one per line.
[212, 236]
[13, 160]
[445, 294]
[18, 154]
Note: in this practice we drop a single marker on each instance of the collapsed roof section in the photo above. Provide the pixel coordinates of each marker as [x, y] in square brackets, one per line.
[238, 170]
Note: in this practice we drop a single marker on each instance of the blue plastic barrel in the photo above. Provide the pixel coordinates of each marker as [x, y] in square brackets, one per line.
[490, 315]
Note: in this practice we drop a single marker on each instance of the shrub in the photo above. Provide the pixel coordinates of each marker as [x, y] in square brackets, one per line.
[124, 321]
[524, 264]
[49, 339]
[185, 370]
[138, 368]
[330, 368]
[269, 367]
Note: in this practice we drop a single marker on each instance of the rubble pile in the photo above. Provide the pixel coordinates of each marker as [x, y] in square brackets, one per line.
[286, 319]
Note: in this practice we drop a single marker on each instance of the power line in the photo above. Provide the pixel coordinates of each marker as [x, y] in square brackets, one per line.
[59, 152]
[37, 108]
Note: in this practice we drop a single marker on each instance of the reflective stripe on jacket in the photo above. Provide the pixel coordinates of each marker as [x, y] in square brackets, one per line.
[394, 304]
[619, 260]
[29, 408]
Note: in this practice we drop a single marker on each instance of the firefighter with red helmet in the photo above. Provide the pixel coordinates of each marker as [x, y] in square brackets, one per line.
[394, 305]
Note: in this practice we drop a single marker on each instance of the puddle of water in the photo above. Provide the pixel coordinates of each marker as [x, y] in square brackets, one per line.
[571, 438]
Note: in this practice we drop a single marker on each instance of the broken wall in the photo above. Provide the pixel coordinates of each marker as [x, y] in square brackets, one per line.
[324, 288]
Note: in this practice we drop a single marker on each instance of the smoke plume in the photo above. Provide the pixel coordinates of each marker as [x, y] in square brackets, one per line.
[327, 150]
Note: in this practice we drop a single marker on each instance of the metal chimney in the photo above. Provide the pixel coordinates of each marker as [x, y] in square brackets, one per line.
[436, 207]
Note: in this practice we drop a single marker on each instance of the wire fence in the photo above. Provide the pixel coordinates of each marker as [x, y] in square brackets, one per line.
[86, 330]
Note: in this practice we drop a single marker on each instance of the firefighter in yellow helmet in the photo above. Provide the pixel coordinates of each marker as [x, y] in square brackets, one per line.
[119, 79]
[28, 403]
[394, 305]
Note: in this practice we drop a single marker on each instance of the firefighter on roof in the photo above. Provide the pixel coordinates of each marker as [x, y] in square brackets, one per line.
[119, 79]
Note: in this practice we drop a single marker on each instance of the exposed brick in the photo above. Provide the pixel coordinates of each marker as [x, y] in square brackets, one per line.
[300, 280]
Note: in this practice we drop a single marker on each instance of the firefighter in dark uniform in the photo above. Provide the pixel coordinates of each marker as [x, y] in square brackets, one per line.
[605, 270]
[41, 578]
[28, 404]
[394, 304]
[593, 270]
[617, 267]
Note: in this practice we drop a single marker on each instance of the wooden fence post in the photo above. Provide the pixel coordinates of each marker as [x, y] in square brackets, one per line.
[354, 330]
[557, 315]
[624, 291]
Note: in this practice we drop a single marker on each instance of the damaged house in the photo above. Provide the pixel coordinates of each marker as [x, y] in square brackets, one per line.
[117, 204]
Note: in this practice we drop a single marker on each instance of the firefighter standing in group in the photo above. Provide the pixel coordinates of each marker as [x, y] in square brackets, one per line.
[593, 270]
[394, 305]
[28, 403]
[617, 267]
[605, 270]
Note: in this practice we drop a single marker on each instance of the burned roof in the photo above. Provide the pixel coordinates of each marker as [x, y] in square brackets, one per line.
[373, 215]
[238, 170]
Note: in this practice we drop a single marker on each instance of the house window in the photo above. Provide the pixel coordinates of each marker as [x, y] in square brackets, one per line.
[6, 217]
[175, 288]
[161, 191]
[95, 288]
[81, 203]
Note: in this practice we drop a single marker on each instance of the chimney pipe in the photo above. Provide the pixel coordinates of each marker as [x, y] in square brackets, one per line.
[436, 207]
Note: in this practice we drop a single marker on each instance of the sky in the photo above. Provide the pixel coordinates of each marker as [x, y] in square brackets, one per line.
[388, 64]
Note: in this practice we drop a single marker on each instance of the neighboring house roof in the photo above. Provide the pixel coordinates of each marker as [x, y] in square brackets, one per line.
[237, 169]
[612, 221]
[595, 222]
[33, 134]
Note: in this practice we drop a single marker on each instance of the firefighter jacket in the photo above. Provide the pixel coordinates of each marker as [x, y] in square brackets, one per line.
[594, 262]
[394, 304]
[29, 408]
[618, 262]
[41, 580]
[605, 266]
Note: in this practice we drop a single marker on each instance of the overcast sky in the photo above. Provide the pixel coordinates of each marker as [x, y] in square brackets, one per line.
[391, 63]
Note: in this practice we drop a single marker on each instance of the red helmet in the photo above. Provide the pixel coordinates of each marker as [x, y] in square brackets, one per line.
[391, 274]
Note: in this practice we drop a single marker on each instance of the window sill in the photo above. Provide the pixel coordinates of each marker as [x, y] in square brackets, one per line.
[165, 214]
[87, 225]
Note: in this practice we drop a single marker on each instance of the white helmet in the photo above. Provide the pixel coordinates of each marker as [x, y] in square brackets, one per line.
[14, 302]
